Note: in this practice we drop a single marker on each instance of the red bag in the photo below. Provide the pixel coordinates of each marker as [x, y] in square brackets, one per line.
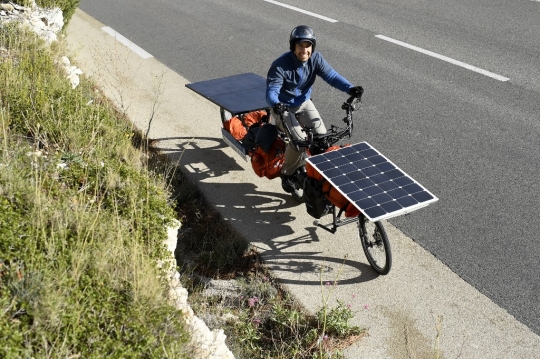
[238, 126]
[268, 164]
[254, 117]
[235, 127]
[333, 195]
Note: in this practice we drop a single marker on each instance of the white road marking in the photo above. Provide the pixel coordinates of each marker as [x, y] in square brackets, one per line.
[130, 45]
[302, 11]
[445, 58]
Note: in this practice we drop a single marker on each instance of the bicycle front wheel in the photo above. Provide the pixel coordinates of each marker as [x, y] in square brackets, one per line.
[375, 244]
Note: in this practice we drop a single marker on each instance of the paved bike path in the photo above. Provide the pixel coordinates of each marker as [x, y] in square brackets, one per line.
[420, 306]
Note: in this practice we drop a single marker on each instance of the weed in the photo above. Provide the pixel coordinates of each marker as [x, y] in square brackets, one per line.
[83, 215]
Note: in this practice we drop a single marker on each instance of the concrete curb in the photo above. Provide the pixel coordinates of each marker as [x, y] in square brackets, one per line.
[206, 343]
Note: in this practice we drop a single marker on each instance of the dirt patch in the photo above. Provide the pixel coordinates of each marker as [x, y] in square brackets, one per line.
[407, 341]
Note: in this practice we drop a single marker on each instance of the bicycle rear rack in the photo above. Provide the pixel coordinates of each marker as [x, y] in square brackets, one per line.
[337, 221]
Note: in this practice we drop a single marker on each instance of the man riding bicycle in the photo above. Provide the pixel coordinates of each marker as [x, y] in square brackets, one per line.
[288, 92]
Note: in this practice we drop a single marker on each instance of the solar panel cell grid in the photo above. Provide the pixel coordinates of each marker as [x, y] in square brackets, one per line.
[376, 186]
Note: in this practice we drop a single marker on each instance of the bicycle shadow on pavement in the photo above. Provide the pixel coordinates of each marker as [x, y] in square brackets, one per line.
[313, 268]
[265, 216]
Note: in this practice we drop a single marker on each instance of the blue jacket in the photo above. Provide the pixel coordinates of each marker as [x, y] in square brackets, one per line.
[289, 81]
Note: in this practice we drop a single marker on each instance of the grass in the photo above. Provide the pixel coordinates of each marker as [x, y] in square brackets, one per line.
[83, 215]
[84, 205]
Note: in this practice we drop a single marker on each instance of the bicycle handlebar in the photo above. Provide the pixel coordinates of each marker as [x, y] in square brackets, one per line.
[332, 136]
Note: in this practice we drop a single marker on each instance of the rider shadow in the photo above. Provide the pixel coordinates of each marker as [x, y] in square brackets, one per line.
[259, 216]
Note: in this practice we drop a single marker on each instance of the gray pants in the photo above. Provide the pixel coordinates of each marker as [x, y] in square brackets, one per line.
[304, 115]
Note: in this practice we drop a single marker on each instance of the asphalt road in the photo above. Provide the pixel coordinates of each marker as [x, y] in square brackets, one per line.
[471, 138]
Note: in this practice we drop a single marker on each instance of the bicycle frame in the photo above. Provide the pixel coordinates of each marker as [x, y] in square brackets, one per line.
[337, 221]
[314, 145]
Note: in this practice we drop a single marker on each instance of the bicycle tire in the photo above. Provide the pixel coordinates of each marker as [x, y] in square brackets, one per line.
[375, 244]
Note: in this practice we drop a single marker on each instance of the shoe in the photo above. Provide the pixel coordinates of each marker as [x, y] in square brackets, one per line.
[287, 184]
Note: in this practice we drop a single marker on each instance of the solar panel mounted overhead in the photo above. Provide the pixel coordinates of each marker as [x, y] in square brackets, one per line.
[375, 185]
[237, 94]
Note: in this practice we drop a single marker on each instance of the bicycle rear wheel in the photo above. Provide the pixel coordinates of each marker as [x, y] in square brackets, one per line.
[375, 244]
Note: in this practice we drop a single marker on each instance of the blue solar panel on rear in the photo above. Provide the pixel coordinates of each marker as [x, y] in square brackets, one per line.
[236, 94]
[377, 187]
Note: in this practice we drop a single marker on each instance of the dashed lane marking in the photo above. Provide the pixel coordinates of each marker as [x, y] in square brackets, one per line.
[444, 58]
[130, 45]
[302, 11]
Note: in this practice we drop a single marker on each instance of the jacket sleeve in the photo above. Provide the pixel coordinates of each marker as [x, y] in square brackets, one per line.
[274, 81]
[331, 76]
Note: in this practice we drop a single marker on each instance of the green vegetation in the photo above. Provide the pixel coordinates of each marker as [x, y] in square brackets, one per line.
[83, 216]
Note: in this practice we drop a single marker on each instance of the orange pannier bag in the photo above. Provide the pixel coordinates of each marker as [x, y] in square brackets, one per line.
[235, 127]
[332, 194]
[268, 164]
[254, 117]
[238, 126]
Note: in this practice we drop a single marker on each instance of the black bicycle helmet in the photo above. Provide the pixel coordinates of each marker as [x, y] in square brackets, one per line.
[302, 33]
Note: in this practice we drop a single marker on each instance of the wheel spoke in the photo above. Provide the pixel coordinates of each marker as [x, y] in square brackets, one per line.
[375, 244]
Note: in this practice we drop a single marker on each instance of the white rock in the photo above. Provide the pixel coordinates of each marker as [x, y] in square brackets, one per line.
[74, 80]
[55, 19]
[46, 23]
[20, 7]
[7, 7]
[206, 343]
[72, 72]
[65, 61]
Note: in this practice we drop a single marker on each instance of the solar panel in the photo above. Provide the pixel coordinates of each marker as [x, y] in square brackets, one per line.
[236, 94]
[376, 186]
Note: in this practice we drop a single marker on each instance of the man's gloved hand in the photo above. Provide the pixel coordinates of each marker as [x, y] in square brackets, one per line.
[280, 108]
[356, 91]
